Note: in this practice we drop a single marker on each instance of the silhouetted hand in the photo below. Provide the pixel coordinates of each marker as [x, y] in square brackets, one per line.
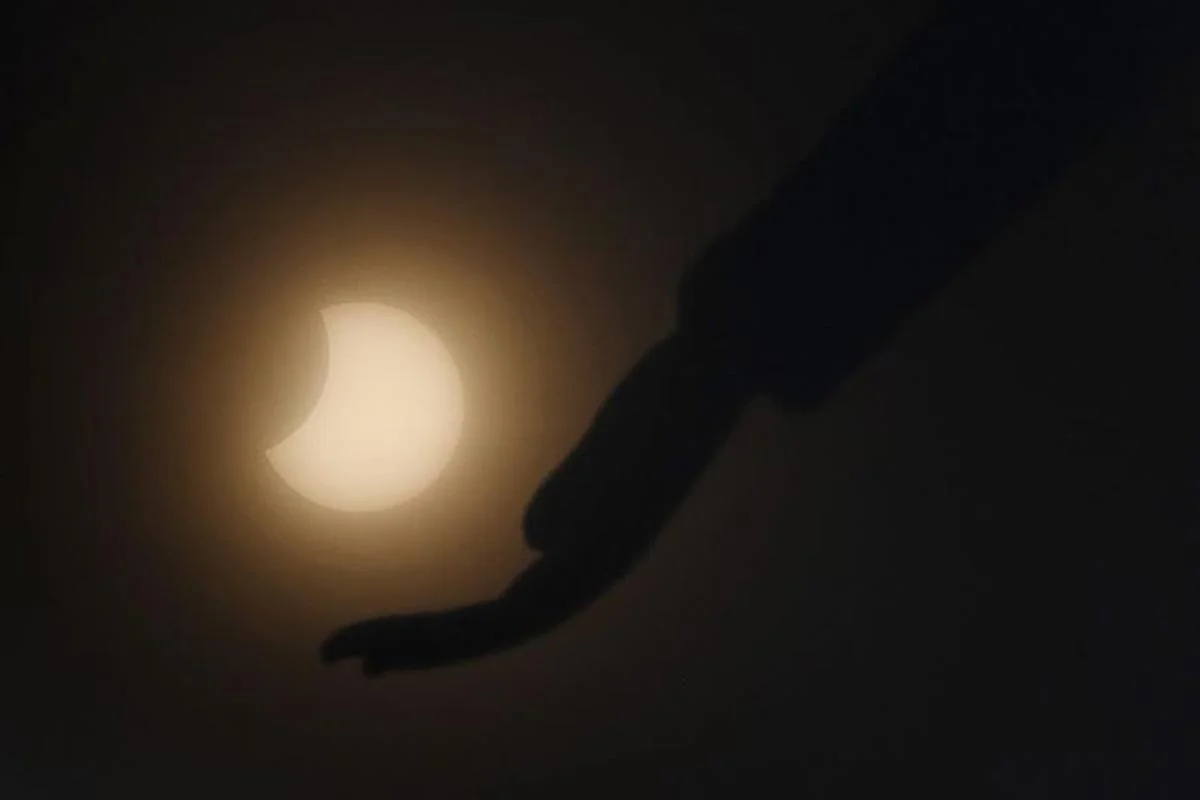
[415, 641]
[591, 518]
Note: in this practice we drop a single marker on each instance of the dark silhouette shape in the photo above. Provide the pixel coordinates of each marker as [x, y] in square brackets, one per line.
[977, 115]
[650, 440]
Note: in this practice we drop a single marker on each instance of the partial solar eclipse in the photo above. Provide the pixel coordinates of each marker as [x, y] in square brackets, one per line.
[387, 420]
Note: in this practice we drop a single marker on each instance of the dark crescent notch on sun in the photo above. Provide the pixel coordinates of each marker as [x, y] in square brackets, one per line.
[388, 416]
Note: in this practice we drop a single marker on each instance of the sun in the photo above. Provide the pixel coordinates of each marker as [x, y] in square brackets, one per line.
[388, 418]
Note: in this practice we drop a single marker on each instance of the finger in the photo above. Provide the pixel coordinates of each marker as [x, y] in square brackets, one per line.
[392, 642]
[337, 647]
[351, 641]
[373, 665]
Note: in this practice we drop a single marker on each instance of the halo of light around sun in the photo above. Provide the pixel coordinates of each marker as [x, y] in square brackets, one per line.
[388, 417]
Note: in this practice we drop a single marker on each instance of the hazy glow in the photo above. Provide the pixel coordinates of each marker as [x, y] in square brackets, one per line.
[388, 418]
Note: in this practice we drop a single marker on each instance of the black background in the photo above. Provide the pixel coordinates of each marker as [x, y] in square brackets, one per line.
[996, 517]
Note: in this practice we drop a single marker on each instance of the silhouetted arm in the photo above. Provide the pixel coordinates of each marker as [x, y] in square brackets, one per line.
[970, 122]
[976, 116]
[592, 517]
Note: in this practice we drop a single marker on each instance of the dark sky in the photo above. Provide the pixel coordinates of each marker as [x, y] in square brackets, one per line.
[1014, 475]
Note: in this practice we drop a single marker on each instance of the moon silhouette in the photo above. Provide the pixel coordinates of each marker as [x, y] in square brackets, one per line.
[388, 417]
